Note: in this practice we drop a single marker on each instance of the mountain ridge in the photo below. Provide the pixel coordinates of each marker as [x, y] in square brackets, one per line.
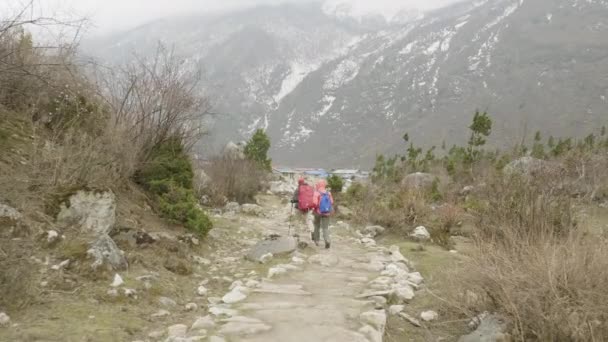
[338, 93]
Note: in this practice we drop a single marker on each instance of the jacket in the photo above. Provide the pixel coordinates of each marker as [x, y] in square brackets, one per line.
[321, 188]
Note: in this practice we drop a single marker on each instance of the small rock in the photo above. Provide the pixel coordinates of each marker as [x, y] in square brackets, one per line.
[130, 293]
[491, 329]
[61, 265]
[51, 236]
[156, 334]
[177, 330]
[202, 291]
[376, 319]
[112, 292]
[201, 261]
[403, 294]
[429, 316]
[191, 307]
[252, 284]
[214, 300]
[266, 258]
[167, 302]
[234, 296]
[379, 301]
[161, 313]
[4, 319]
[273, 271]
[373, 231]
[395, 309]
[415, 277]
[117, 281]
[235, 284]
[222, 311]
[372, 334]
[410, 319]
[368, 242]
[203, 323]
[297, 261]
[421, 234]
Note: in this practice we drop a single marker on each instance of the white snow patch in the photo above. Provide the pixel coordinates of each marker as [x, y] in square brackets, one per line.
[460, 25]
[329, 101]
[408, 48]
[549, 17]
[433, 48]
[345, 72]
[298, 72]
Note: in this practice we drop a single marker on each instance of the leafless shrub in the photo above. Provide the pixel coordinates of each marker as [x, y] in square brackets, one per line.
[233, 179]
[156, 99]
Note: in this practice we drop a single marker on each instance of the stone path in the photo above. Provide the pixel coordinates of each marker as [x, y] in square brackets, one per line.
[336, 295]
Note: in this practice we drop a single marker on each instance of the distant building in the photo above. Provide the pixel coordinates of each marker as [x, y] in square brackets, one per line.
[346, 174]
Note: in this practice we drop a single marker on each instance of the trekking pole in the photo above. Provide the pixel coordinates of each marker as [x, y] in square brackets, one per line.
[289, 219]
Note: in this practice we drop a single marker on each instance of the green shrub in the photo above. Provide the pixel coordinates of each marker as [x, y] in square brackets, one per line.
[168, 175]
[257, 149]
[335, 183]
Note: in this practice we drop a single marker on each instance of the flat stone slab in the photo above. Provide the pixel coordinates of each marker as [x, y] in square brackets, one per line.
[276, 245]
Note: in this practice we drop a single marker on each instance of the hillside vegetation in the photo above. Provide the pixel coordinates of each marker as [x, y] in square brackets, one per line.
[538, 252]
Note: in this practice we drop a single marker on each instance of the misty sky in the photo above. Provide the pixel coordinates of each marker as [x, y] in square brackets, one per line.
[111, 15]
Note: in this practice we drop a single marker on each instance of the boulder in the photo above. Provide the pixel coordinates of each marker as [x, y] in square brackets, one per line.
[104, 252]
[418, 181]
[529, 166]
[274, 244]
[202, 291]
[491, 329]
[252, 209]
[373, 231]
[420, 234]
[91, 211]
[166, 302]
[191, 307]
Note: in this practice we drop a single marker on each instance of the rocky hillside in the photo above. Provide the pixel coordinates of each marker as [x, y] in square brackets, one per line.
[334, 86]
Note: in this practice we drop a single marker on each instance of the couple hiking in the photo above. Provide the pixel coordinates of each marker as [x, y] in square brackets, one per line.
[317, 205]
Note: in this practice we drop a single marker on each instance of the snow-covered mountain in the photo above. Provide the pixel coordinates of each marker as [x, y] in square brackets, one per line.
[335, 85]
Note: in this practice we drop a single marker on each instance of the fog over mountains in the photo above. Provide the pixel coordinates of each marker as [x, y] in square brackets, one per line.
[334, 83]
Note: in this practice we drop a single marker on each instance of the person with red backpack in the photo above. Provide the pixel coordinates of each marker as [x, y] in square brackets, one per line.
[323, 203]
[303, 201]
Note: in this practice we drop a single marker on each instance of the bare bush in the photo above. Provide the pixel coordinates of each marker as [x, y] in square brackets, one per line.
[233, 179]
[156, 99]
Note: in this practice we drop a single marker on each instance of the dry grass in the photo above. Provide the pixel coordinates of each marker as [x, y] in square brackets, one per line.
[233, 180]
[536, 264]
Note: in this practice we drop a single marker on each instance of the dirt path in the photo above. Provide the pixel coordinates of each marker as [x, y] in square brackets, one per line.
[313, 294]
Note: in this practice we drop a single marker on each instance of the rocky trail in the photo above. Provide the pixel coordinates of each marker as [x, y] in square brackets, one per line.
[310, 294]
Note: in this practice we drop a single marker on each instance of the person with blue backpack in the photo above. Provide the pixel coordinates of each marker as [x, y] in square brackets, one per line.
[323, 203]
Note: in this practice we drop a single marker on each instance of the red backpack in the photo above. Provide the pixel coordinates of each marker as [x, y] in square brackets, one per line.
[305, 195]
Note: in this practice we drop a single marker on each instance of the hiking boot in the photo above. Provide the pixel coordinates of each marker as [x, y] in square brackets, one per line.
[316, 243]
[312, 236]
[327, 245]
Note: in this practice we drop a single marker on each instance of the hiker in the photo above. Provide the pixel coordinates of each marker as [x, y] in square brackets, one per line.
[303, 201]
[324, 203]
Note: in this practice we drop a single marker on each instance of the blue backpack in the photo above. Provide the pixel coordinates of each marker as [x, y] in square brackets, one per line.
[325, 207]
